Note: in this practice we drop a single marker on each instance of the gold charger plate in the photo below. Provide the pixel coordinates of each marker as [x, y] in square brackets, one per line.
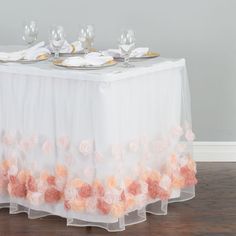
[148, 55]
[42, 57]
[59, 63]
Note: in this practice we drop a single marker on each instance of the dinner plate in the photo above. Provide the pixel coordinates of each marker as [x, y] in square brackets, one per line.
[24, 61]
[59, 62]
[148, 55]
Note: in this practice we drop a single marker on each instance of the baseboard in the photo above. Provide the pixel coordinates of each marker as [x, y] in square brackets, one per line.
[214, 151]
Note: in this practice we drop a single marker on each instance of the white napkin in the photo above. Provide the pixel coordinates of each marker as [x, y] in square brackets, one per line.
[137, 52]
[91, 59]
[66, 48]
[77, 47]
[27, 54]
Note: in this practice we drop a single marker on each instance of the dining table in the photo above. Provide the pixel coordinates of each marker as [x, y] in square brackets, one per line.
[97, 147]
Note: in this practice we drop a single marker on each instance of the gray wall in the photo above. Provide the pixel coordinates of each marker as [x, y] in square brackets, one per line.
[202, 31]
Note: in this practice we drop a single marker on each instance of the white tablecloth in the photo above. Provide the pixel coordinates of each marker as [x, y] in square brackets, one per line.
[97, 147]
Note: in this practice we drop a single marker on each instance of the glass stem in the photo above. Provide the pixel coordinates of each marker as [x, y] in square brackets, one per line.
[126, 59]
[56, 55]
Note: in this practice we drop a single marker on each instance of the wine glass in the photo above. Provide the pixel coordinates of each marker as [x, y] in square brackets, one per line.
[127, 45]
[57, 40]
[30, 33]
[86, 38]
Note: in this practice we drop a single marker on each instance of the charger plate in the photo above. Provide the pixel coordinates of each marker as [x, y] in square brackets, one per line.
[59, 63]
[42, 57]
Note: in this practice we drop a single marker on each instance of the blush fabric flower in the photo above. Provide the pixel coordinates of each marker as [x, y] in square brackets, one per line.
[134, 188]
[17, 189]
[85, 191]
[77, 205]
[91, 205]
[47, 147]
[23, 176]
[111, 182]
[13, 170]
[153, 186]
[99, 189]
[155, 191]
[31, 184]
[8, 139]
[51, 180]
[103, 206]
[98, 156]
[61, 171]
[189, 135]
[86, 147]
[177, 131]
[25, 144]
[117, 210]
[122, 196]
[160, 145]
[133, 146]
[189, 176]
[35, 198]
[63, 142]
[67, 205]
[52, 195]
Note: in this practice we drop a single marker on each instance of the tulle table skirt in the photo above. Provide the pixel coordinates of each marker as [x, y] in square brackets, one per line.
[99, 149]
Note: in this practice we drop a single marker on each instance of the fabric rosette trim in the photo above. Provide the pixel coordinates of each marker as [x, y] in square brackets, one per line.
[113, 194]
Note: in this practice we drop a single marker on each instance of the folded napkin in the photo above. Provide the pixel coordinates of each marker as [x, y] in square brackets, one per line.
[77, 47]
[67, 47]
[32, 53]
[137, 52]
[91, 59]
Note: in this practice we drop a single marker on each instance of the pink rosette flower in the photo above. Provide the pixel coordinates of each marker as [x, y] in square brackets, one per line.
[134, 146]
[25, 145]
[16, 189]
[134, 188]
[70, 193]
[160, 145]
[47, 147]
[8, 139]
[189, 135]
[52, 195]
[13, 170]
[35, 198]
[86, 147]
[103, 206]
[67, 205]
[189, 176]
[91, 205]
[85, 191]
[98, 156]
[155, 191]
[63, 142]
[51, 180]
[31, 184]
[177, 131]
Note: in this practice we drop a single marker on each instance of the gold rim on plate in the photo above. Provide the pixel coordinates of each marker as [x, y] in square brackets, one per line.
[59, 62]
[39, 58]
[147, 55]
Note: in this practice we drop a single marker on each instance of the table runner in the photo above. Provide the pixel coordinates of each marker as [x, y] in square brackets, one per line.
[98, 148]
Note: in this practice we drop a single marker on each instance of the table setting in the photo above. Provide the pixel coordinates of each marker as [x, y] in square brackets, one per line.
[100, 137]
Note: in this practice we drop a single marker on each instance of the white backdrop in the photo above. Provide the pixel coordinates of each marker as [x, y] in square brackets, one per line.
[203, 32]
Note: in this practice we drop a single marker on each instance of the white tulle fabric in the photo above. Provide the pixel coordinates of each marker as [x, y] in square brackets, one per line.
[98, 148]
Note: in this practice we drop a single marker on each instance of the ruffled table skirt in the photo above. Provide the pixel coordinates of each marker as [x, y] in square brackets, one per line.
[99, 150]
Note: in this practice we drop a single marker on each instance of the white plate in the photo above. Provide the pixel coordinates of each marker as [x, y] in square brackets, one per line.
[59, 63]
[23, 61]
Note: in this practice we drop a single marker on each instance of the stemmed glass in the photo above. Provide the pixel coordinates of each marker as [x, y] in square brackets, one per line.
[56, 40]
[30, 33]
[86, 38]
[127, 45]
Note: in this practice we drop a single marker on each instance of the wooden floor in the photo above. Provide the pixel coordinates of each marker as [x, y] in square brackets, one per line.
[211, 213]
